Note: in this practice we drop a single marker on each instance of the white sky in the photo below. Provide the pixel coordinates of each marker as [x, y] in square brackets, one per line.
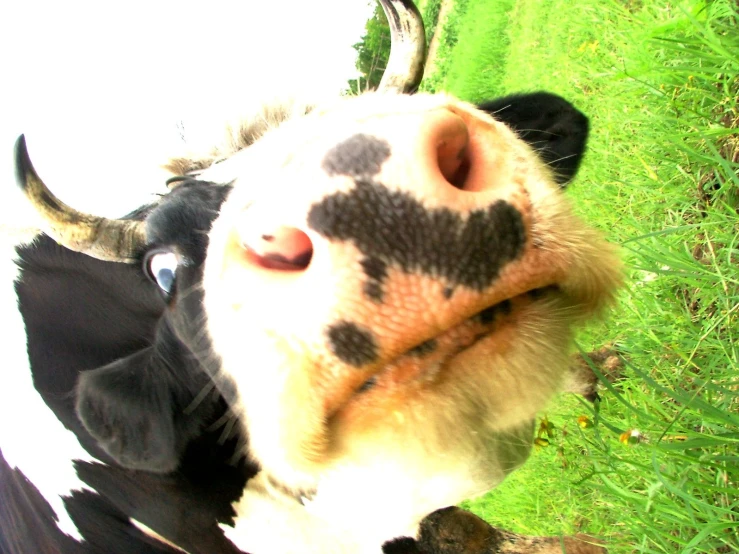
[98, 87]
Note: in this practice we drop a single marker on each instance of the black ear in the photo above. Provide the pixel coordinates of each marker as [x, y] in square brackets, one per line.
[550, 124]
[137, 408]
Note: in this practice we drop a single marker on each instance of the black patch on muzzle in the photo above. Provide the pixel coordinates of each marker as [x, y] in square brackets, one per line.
[352, 344]
[396, 228]
[376, 271]
[358, 156]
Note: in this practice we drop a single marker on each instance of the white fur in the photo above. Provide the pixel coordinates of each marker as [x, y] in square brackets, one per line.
[360, 505]
[269, 521]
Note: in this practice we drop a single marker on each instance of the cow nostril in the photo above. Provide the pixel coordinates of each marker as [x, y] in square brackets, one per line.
[459, 178]
[453, 156]
[282, 248]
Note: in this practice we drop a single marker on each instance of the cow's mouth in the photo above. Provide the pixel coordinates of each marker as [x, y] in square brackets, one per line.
[425, 363]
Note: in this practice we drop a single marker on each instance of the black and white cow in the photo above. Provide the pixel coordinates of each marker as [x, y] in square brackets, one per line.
[348, 324]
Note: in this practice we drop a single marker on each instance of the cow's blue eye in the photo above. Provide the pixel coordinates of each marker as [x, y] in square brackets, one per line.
[162, 269]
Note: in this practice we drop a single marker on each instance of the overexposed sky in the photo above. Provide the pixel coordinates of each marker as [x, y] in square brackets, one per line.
[98, 87]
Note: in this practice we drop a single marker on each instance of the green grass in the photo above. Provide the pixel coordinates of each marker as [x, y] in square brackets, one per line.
[473, 63]
[660, 82]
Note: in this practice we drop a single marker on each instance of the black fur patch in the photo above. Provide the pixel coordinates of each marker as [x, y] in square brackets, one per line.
[121, 370]
[402, 545]
[184, 217]
[352, 344]
[395, 227]
[185, 507]
[550, 124]
[80, 313]
[136, 407]
[358, 156]
[100, 339]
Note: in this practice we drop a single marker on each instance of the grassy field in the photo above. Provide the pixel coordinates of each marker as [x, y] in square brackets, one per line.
[655, 466]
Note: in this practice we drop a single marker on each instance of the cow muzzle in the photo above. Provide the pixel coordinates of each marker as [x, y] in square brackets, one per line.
[380, 258]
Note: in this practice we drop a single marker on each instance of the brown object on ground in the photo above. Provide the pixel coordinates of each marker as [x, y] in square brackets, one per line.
[456, 531]
[582, 380]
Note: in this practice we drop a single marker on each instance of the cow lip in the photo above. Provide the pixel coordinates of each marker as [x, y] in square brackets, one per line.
[433, 355]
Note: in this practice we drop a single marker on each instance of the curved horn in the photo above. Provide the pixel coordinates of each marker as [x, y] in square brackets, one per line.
[407, 46]
[115, 240]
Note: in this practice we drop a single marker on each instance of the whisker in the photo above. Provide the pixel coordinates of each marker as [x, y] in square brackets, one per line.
[239, 451]
[228, 429]
[199, 398]
[220, 422]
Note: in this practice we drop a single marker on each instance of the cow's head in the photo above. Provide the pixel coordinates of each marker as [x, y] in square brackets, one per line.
[383, 290]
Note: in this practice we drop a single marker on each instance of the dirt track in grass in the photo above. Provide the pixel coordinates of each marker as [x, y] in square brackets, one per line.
[446, 6]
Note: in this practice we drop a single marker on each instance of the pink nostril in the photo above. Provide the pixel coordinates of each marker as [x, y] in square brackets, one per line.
[452, 150]
[280, 248]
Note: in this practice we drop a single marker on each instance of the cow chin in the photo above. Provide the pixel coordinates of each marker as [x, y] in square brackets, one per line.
[391, 455]
[445, 424]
